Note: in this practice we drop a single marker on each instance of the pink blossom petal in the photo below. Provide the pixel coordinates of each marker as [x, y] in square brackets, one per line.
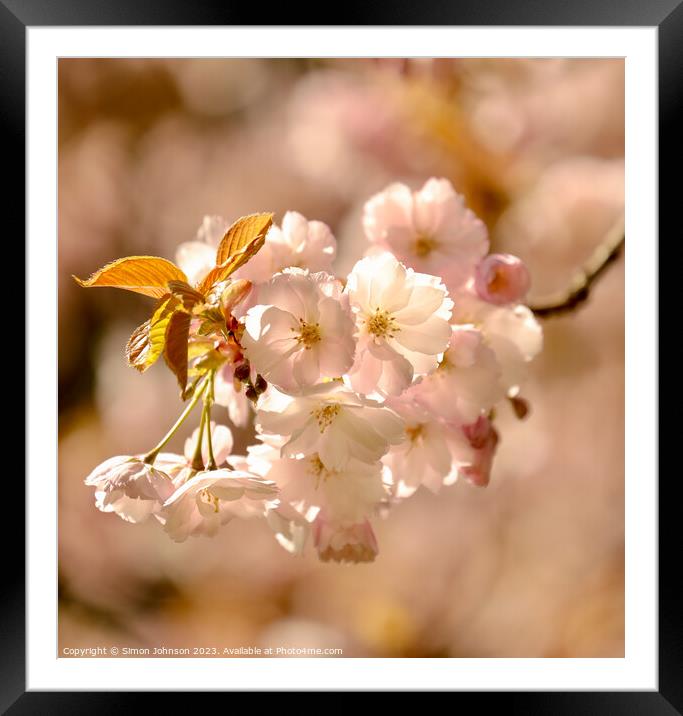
[430, 336]
[306, 367]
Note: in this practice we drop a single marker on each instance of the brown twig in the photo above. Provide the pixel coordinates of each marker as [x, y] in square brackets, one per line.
[579, 288]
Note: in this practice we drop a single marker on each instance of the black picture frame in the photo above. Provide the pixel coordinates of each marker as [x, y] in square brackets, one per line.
[17, 15]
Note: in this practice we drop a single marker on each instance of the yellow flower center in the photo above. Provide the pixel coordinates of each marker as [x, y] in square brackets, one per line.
[424, 245]
[206, 496]
[414, 432]
[382, 325]
[446, 364]
[318, 470]
[325, 415]
[309, 334]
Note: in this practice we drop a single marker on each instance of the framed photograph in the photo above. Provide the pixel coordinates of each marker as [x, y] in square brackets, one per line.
[341, 374]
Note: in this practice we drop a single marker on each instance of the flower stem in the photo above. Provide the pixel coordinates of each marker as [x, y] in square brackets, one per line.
[197, 459]
[151, 456]
[208, 402]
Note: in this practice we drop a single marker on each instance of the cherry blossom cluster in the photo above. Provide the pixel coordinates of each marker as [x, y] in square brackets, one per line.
[361, 389]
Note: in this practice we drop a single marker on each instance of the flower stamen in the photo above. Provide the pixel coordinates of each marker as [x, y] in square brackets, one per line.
[318, 470]
[309, 334]
[325, 415]
[414, 432]
[209, 499]
[446, 365]
[424, 245]
[382, 325]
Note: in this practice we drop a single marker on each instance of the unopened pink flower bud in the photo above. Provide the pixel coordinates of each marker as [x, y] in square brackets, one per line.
[234, 294]
[520, 406]
[483, 437]
[502, 279]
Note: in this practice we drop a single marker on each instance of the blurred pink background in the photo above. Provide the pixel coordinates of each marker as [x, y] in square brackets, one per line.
[531, 566]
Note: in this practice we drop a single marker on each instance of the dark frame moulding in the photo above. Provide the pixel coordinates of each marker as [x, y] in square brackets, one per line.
[666, 15]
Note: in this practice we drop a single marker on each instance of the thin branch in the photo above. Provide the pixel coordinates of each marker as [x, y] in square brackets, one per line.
[579, 288]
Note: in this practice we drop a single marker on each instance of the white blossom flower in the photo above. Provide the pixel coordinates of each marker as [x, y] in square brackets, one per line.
[467, 382]
[129, 487]
[432, 452]
[212, 498]
[301, 332]
[402, 319]
[430, 230]
[299, 243]
[333, 422]
[350, 493]
[512, 332]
